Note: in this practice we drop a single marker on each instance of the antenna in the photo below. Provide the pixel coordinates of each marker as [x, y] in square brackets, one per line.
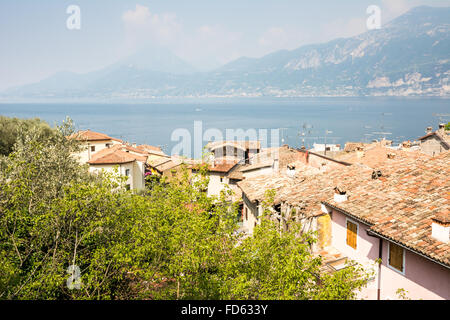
[326, 133]
[306, 129]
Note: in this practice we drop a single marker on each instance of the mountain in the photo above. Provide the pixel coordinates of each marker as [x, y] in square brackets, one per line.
[157, 59]
[406, 57]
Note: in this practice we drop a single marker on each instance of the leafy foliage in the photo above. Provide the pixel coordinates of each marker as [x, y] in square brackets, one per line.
[170, 242]
[13, 128]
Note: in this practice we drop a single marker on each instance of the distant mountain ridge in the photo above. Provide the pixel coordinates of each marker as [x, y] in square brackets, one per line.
[409, 56]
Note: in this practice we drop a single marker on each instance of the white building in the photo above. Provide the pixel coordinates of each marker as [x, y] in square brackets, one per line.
[93, 142]
[104, 153]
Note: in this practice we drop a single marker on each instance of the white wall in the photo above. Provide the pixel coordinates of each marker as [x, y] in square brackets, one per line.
[85, 155]
[250, 220]
[136, 177]
[215, 186]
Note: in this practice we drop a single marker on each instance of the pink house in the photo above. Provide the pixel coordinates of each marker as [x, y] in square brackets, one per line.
[421, 276]
[404, 220]
[391, 206]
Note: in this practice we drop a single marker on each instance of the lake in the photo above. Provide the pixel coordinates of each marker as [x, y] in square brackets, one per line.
[345, 119]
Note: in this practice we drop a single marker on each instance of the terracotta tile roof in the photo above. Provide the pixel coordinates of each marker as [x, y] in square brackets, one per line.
[105, 151]
[116, 154]
[221, 166]
[150, 149]
[399, 205]
[255, 188]
[352, 146]
[135, 150]
[376, 154]
[116, 157]
[158, 161]
[236, 174]
[258, 165]
[168, 165]
[442, 218]
[88, 135]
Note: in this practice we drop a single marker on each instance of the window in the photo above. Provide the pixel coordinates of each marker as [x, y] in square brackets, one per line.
[128, 187]
[127, 172]
[108, 145]
[246, 214]
[221, 179]
[92, 148]
[352, 234]
[396, 257]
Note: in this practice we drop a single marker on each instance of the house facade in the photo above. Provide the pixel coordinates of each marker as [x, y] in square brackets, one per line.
[401, 218]
[233, 150]
[128, 163]
[434, 143]
[104, 153]
[401, 268]
[395, 211]
[93, 142]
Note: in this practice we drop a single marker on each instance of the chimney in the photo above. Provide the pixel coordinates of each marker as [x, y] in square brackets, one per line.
[340, 195]
[360, 152]
[376, 174]
[440, 227]
[429, 130]
[406, 145]
[291, 171]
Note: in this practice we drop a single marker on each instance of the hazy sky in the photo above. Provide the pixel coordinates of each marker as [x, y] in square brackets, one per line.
[36, 43]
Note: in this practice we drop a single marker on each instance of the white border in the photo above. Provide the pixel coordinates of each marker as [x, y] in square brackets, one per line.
[357, 233]
[388, 255]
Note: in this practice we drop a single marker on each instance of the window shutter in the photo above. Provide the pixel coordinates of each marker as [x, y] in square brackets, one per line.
[396, 256]
[351, 234]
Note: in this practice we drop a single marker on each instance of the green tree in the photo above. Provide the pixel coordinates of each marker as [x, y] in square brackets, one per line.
[12, 128]
[280, 265]
[169, 242]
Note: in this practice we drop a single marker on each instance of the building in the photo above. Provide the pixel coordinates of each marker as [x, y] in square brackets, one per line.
[154, 153]
[403, 218]
[388, 204]
[233, 150]
[102, 152]
[219, 180]
[326, 149]
[93, 142]
[171, 167]
[434, 143]
[130, 162]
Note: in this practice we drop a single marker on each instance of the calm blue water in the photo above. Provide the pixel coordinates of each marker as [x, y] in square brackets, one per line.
[349, 119]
